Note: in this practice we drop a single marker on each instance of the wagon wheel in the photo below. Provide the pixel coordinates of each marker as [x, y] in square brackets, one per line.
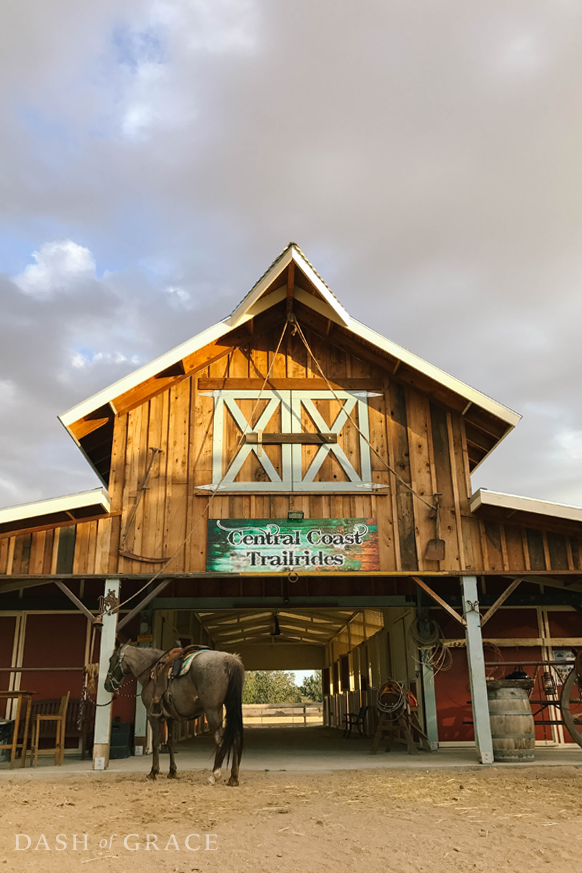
[571, 706]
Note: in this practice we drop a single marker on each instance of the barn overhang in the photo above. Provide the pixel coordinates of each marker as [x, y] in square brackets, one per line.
[56, 511]
[528, 511]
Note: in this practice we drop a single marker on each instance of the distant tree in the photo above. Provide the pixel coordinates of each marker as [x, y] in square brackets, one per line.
[270, 686]
[312, 687]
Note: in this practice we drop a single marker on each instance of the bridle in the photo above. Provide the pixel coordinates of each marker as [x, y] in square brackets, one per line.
[113, 681]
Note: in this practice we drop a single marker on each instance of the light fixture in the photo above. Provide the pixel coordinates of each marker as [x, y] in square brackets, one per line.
[295, 514]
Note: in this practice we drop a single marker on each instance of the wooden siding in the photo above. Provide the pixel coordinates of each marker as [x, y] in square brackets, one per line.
[425, 442]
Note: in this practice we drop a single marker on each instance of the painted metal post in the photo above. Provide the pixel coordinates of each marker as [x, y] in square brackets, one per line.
[141, 719]
[103, 713]
[476, 663]
[428, 689]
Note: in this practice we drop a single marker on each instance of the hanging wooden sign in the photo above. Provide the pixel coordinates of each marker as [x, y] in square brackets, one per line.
[280, 545]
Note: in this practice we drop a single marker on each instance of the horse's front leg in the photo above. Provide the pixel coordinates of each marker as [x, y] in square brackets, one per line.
[156, 725]
[173, 774]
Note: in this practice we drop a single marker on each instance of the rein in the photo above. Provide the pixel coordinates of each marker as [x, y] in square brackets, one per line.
[117, 683]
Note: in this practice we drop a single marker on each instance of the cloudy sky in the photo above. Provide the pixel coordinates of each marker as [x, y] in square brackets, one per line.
[156, 155]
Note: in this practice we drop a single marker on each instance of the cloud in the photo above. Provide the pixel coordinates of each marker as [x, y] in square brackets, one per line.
[91, 359]
[425, 156]
[58, 265]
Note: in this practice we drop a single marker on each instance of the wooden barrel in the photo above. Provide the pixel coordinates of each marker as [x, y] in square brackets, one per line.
[512, 722]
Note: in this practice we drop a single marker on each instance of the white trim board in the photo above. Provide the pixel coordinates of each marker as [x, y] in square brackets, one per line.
[96, 496]
[516, 503]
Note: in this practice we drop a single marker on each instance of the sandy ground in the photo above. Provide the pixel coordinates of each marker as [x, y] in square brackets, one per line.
[373, 820]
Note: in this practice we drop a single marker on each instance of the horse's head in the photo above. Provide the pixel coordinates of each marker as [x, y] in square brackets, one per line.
[117, 669]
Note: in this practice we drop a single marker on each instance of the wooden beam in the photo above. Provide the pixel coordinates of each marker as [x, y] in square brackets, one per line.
[74, 599]
[84, 427]
[439, 600]
[137, 609]
[285, 384]
[500, 600]
[522, 642]
[290, 278]
[279, 439]
[93, 421]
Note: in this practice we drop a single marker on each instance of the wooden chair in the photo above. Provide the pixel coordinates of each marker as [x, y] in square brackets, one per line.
[403, 725]
[355, 719]
[60, 719]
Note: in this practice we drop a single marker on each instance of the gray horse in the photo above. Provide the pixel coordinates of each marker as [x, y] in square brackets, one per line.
[213, 680]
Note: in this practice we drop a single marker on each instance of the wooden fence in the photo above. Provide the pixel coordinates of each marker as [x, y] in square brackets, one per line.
[271, 714]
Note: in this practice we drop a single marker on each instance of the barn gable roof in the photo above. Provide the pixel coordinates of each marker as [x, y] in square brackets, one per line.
[90, 422]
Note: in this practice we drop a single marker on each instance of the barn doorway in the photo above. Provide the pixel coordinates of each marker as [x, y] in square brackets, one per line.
[354, 650]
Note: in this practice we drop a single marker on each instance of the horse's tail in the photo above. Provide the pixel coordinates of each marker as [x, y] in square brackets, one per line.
[232, 739]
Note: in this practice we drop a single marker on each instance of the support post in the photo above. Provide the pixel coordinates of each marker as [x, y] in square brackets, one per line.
[103, 712]
[141, 719]
[428, 688]
[476, 664]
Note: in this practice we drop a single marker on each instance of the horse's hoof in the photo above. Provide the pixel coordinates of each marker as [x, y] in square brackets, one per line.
[215, 776]
[172, 774]
[233, 782]
[151, 777]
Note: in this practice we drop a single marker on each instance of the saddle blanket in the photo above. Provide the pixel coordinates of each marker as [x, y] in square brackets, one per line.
[188, 662]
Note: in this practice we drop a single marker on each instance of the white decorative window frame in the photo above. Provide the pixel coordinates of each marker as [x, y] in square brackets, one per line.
[293, 477]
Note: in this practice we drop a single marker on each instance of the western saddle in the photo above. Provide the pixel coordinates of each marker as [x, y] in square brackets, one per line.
[165, 670]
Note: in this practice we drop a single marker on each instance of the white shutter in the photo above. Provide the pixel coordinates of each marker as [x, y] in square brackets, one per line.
[291, 405]
[354, 406]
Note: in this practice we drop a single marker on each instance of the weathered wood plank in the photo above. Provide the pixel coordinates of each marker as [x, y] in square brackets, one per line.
[37, 553]
[4, 546]
[81, 549]
[514, 546]
[103, 548]
[398, 436]
[48, 551]
[116, 486]
[494, 552]
[535, 544]
[457, 479]
[557, 550]
[177, 490]
[442, 459]
[130, 487]
[420, 473]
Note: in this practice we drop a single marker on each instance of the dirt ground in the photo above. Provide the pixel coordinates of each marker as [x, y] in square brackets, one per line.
[426, 822]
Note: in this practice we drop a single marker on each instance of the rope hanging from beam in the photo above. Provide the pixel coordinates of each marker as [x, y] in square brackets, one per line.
[357, 427]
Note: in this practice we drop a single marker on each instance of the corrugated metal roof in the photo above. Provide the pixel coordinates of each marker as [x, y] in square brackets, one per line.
[291, 245]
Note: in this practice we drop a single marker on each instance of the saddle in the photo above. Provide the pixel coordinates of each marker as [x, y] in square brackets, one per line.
[163, 672]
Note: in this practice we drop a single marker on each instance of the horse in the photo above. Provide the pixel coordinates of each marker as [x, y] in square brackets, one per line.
[215, 679]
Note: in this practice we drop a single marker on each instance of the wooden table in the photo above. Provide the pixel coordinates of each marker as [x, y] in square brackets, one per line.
[19, 696]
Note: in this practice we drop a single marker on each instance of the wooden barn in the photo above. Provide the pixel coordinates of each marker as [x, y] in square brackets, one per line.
[292, 486]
